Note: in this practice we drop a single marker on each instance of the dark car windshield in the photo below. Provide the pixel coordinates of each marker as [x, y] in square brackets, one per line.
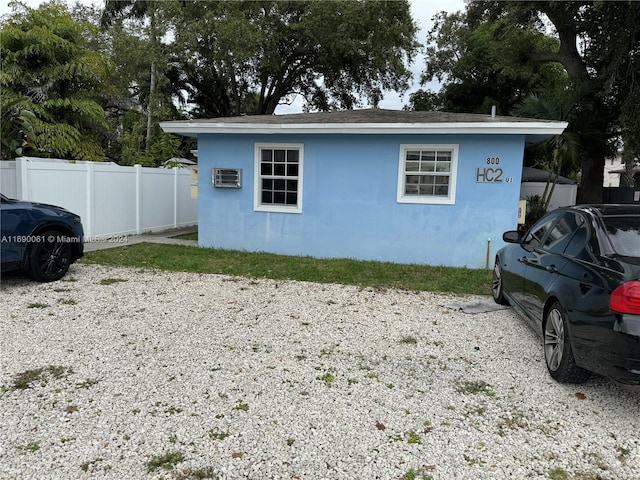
[624, 233]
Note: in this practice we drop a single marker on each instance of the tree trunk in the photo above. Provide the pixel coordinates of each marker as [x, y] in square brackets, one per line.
[590, 190]
[152, 86]
[152, 91]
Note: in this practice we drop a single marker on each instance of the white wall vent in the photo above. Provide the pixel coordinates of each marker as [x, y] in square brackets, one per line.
[227, 177]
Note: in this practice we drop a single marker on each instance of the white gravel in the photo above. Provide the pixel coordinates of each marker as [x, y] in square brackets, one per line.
[288, 380]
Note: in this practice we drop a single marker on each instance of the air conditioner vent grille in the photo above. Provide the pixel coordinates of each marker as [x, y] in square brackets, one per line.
[227, 177]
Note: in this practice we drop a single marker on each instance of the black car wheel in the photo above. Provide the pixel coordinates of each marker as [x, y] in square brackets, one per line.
[557, 348]
[497, 288]
[49, 257]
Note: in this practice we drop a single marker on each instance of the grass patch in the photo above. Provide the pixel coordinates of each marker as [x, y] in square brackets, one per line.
[88, 383]
[410, 437]
[327, 378]
[409, 339]
[180, 258]
[24, 380]
[475, 387]
[32, 447]
[67, 301]
[417, 473]
[200, 473]
[37, 305]
[242, 406]
[215, 434]
[166, 461]
[111, 281]
[558, 474]
[413, 437]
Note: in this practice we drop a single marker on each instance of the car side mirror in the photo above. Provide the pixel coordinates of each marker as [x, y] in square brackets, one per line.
[512, 236]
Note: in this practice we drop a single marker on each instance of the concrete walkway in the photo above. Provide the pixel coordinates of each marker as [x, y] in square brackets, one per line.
[165, 237]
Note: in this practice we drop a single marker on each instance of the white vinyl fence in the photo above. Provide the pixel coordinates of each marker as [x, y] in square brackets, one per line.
[112, 200]
[562, 196]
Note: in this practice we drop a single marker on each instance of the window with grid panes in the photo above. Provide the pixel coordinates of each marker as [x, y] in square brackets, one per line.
[278, 178]
[427, 174]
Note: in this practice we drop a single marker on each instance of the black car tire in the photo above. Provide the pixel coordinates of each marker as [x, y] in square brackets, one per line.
[557, 348]
[49, 257]
[497, 287]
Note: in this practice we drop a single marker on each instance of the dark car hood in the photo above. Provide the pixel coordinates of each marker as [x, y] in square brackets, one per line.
[26, 204]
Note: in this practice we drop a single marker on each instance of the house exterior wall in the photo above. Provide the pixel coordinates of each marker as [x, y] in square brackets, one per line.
[611, 179]
[350, 207]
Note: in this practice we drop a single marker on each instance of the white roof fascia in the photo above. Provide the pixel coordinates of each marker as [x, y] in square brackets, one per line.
[493, 128]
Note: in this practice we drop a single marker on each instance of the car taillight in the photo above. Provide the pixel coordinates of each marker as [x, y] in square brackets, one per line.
[626, 298]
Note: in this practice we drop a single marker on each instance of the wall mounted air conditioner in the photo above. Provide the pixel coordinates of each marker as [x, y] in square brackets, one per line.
[226, 177]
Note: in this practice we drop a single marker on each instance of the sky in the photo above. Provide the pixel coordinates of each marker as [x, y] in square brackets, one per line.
[422, 10]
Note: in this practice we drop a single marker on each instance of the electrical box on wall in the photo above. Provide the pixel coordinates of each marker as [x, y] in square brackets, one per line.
[226, 177]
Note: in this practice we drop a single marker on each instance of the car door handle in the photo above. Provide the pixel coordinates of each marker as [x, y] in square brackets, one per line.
[552, 269]
[524, 259]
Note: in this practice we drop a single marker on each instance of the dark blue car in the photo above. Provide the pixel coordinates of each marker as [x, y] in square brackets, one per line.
[575, 277]
[42, 240]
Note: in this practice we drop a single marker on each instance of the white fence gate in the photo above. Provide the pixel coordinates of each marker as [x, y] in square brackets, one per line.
[112, 200]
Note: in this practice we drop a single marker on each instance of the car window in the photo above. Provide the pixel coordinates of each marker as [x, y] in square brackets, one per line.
[537, 233]
[624, 233]
[581, 243]
[561, 233]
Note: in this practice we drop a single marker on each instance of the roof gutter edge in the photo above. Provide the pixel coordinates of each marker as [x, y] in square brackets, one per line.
[497, 128]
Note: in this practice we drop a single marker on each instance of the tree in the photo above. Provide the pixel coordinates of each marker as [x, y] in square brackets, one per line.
[562, 154]
[598, 44]
[119, 10]
[630, 138]
[249, 56]
[140, 49]
[50, 81]
[592, 43]
[483, 65]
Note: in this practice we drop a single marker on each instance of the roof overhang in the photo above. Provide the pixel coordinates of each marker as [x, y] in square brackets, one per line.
[534, 130]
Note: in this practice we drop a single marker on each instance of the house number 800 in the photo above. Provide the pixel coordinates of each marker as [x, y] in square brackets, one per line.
[493, 160]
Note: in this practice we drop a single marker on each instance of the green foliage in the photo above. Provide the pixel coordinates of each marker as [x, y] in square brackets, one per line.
[141, 53]
[72, 90]
[50, 82]
[536, 208]
[166, 461]
[561, 154]
[475, 387]
[501, 52]
[42, 375]
[180, 258]
[631, 137]
[17, 124]
[487, 64]
[165, 146]
[250, 56]
[424, 101]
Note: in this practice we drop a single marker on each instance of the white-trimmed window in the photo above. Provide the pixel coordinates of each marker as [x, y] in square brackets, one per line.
[427, 174]
[278, 177]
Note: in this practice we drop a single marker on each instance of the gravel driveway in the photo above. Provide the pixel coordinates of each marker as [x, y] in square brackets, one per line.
[123, 374]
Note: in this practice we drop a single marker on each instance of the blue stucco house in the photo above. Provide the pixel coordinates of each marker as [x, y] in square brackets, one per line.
[409, 187]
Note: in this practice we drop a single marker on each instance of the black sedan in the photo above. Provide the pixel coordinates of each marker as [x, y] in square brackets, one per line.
[42, 240]
[575, 277]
